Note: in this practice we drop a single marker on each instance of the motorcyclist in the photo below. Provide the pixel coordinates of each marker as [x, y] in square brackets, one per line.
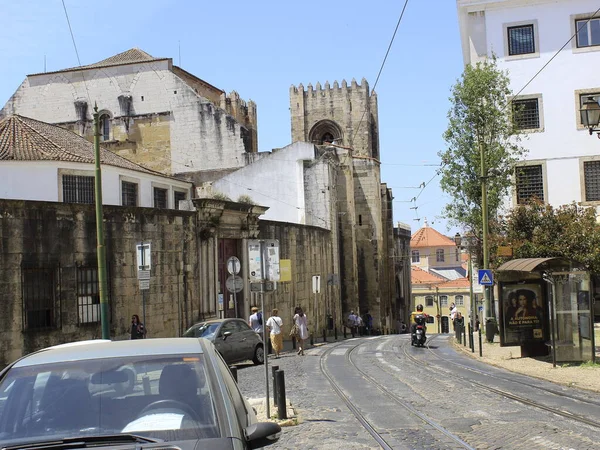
[413, 326]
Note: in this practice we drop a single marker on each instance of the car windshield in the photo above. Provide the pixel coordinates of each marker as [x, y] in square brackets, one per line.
[164, 398]
[204, 330]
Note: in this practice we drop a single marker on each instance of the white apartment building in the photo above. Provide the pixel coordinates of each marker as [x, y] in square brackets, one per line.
[563, 163]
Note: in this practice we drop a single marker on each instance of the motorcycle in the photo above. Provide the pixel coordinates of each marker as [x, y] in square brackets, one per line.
[418, 337]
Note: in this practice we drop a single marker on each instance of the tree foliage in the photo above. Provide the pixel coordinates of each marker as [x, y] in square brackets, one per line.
[537, 230]
[480, 115]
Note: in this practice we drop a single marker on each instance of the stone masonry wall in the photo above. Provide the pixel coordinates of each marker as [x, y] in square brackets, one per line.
[63, 237]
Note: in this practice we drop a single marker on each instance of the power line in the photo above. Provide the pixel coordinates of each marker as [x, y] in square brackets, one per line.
[382, 65]
[76, 51]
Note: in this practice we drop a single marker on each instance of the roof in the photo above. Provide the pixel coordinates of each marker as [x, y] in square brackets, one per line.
[450, 273]
[420, 276]
[131, 56]
[428, 237]
[25, 139]
[99, 349]
[524, 264]
[457, 283]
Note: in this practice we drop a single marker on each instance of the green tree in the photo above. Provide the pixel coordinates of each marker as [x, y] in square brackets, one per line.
[537, 230]
[480, 118]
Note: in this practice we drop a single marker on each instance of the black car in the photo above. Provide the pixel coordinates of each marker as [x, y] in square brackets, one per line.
[233, 338]
[80, 395]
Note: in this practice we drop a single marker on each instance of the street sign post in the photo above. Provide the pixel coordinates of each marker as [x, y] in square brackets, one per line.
[144, 266]
[233, 265]
[486, 277]
[234, 283]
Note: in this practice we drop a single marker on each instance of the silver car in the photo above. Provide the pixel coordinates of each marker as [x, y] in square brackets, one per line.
[233, 339]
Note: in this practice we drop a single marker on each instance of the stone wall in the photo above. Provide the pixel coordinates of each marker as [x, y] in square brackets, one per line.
[62, 238]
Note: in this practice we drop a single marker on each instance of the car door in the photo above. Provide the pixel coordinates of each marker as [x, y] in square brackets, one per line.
[228, 347]
[248, 340]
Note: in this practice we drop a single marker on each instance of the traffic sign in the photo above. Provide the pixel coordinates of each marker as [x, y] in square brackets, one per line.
[234, 284]
[316, 284]
[144, 285]
[233, 266]
[143, 256]
[486, 277]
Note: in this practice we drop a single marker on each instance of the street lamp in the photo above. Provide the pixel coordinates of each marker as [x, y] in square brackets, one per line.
[590, 115]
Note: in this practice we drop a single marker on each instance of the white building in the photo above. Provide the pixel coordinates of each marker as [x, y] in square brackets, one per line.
[45, 162]
[563, 163]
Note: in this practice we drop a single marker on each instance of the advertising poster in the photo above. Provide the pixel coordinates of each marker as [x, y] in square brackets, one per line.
[523, 309]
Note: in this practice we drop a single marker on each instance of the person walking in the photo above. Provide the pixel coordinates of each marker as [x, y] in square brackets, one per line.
[351, 323]
[302, 323]
[275, 326]
[255, 321]
[138, 330]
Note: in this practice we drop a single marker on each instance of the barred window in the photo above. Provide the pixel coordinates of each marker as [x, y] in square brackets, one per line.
[429, 300]
[439, 255]
[40, 304]
[443, 300]
[160, 198]
[521, 40]
[530, 183]
[78, 189]
[591, 175]
[588, 32]
[459, 300]
[129, 193]
[88, 295]
[416, 257]
[179, 196]
[526, 114]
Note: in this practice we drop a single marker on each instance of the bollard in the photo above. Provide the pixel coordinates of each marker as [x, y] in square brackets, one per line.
[480, 352]
[293, 343]
[273, 370]
[464, 330]
[324, 335]
[335, 332]
[312, 340]
[234, 373]
[281, 402]
[344, 332]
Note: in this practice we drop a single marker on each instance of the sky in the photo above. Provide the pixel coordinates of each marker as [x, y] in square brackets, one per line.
[260, 49]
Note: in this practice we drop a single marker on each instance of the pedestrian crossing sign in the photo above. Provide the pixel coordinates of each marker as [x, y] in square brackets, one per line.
[486, 278]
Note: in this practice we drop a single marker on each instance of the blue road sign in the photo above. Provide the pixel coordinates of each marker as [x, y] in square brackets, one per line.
[486, 278]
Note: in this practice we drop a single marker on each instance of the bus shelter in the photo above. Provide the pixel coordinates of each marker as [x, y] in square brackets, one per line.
[545, 306]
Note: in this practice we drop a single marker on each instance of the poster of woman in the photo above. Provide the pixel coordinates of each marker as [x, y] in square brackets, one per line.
[523, 313]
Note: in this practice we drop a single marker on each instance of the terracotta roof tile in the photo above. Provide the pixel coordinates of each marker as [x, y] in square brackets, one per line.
[459, 283]
[420, 276]
[25, 139]
[428, 237]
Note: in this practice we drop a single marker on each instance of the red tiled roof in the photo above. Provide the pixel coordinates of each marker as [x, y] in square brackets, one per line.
[458, 283]
[428, 237]
[420, 276]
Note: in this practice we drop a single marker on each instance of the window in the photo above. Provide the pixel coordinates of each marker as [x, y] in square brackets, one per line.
[78, 189]
[177, 197]
[588, 32]
[415, 256]
[88, 295]
[530, 183]
[129, 193]
[526, 114]
[104, 127]
[521, 40]
[160, 198]
[39, 297]
[429, 300]
[443, 300]
[439, 255]
[458, 300]
[591, 175]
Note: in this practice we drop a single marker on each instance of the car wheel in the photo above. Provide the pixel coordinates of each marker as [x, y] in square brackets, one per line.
[259, 355]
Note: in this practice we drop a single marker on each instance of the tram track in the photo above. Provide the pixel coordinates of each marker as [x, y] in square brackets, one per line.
[432, 427]
[505, 394]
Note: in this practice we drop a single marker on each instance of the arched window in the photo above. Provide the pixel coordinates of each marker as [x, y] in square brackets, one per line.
[439, 255]
[415, 256]
[325, 132]
[104, 121]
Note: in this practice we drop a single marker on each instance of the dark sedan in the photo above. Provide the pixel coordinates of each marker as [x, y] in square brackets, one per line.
[233, 338]
[72, 396]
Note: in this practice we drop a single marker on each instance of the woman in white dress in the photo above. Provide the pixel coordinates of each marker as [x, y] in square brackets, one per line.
[302, 324]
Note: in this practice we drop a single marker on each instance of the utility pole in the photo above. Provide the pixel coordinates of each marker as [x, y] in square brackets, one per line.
[101, 252]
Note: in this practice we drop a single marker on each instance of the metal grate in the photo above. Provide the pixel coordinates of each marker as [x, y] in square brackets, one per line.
[78, 189]
[526, 114]
[39, 297]
[179, 196]
[160, 198]
[129, 194]
[439, 255]
[530, 183]
[416, 257]
[521, 40]
[88, 295]
[591, 174]
[588, 34]
[458, 300]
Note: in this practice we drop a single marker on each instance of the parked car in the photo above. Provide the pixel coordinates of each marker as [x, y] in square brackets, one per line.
[233, 338]
[184, 396]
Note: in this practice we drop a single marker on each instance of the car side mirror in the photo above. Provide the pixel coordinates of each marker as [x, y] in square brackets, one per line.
[226, 334]
[262, 434]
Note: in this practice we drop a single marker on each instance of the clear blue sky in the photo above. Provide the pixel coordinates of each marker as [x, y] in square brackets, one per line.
[261, 48]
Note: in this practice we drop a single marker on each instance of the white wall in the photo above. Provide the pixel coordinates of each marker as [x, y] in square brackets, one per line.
[561, 143]
[39, 180]
[276, 181]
